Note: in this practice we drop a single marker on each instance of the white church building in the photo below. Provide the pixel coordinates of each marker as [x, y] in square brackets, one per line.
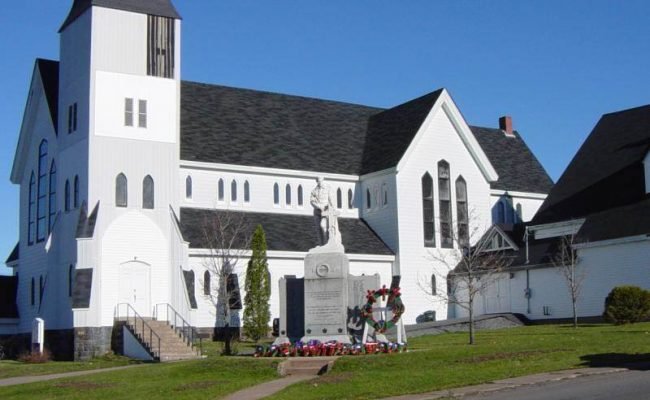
[119, 162]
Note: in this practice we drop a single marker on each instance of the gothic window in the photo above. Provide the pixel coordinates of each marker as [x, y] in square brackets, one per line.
[350, 199]
[72, 118]
[434, 288]
[70, 279]
[339, 198]
[121, 191]
[428, 214]
[188, 187]
[444, 190]
[52, 199]
[32, 211]
[247, 192]
[40, 290]
[160, 46]
[206, 283]
[33, 292]
[233, 191]
[41, 217]
[148, 193]
[385, 194]
[368, 199]
[221, 190]
[520, 213]
[377, 196]
[462, 212]
[276, 194]
[300, 200]
[287, 194]
[76, 191]
[128, 112]
[67, 195]
[142, 113]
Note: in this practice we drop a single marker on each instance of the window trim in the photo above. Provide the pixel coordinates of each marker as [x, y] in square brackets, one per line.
[128, 111]
[462, 205]
[444, 183]
[428, 203]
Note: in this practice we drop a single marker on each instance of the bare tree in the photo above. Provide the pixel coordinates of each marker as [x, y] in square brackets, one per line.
[468, 270]
[565, 261]
[226, 236]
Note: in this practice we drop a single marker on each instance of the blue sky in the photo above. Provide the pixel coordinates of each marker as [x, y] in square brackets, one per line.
[555, 66]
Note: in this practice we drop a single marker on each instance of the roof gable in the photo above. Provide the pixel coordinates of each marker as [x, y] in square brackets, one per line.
[163, 8]
[607, 170]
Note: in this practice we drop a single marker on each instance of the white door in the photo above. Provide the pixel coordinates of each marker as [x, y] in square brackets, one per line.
[135, 287]
[497, 296]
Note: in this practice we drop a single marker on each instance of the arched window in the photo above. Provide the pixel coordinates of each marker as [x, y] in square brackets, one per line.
[76, 191]
[121, 191]
[384, 189]
[188, 187]
[32, 210]
[276, 194]
[233, 191]
[52, 200]
[41, 213]
[444, 190]
[377, 196]
[520, 213]
[287, 194]
[221, 190]
[501, 213]
[70, 279]
[206, 283]
[462, 212]
[300, 200]
[350, 199]
[368, 199]
[33, 292]
[339, 198]
[40, 290]
[428, 213]
[67, 195]
[434, 287]
[247, 192]
[148, 193]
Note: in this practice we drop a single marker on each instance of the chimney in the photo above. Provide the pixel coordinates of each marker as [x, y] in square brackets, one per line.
[505, 124]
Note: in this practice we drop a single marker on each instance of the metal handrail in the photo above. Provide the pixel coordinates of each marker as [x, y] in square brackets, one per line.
[187, 332]
[139, 322]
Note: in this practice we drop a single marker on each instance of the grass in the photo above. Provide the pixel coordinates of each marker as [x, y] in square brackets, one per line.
[10, 369]
[435, 362]
[446, 361]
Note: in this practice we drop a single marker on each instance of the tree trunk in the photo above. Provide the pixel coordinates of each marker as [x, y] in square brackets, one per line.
[575, 314]
[471, 322]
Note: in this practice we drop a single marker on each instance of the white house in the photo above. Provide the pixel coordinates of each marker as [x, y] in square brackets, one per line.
[602, 204]
[119, 162]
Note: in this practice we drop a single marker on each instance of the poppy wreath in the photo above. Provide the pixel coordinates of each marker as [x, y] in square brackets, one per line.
[394, 304]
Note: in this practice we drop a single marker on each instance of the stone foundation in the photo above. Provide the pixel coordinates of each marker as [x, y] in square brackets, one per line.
[92, 342]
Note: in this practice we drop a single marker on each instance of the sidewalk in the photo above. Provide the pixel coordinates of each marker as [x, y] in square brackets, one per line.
[21, 380]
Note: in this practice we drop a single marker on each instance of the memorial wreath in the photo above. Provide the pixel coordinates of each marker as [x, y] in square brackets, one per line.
[394, 304]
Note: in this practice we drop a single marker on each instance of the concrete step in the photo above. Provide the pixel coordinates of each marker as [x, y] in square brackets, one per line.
[172, 346]
[306, 366]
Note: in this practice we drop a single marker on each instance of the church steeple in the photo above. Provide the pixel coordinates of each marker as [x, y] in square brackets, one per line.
[160, 8]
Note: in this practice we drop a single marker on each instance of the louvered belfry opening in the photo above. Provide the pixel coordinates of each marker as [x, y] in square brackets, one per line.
[160, 50]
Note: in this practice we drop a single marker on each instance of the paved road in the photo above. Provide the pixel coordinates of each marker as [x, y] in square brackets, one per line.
[629, 385]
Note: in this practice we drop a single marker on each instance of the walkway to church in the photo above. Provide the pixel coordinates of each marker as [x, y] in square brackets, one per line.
[20, 380]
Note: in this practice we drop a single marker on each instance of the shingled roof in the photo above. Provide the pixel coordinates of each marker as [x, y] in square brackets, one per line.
[162, 8]
[607, 172]
[287, 232]
[49, 71]
[626, 221]
[518, 168]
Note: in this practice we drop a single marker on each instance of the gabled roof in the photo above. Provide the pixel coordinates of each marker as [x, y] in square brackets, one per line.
[288, 232]
[607, 171]
[518, 168]
[162, 8]
[49, 70]
[626, 221]
[86, 223]
[15, 254]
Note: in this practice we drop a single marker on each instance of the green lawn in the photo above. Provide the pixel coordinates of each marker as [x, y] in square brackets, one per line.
[434, 362]
[445, 361]
[10, 369]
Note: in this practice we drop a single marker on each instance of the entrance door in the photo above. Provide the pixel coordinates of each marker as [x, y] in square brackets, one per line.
[497, 296]
[135, 287]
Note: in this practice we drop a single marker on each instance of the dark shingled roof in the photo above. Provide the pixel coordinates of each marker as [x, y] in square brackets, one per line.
[163, 8]
[8, 290]
[49, 71]
[607, 172]
[631, 220]
[287, 232]
[246, 127]
[83, 282]
[518, 168]
[15, 254]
